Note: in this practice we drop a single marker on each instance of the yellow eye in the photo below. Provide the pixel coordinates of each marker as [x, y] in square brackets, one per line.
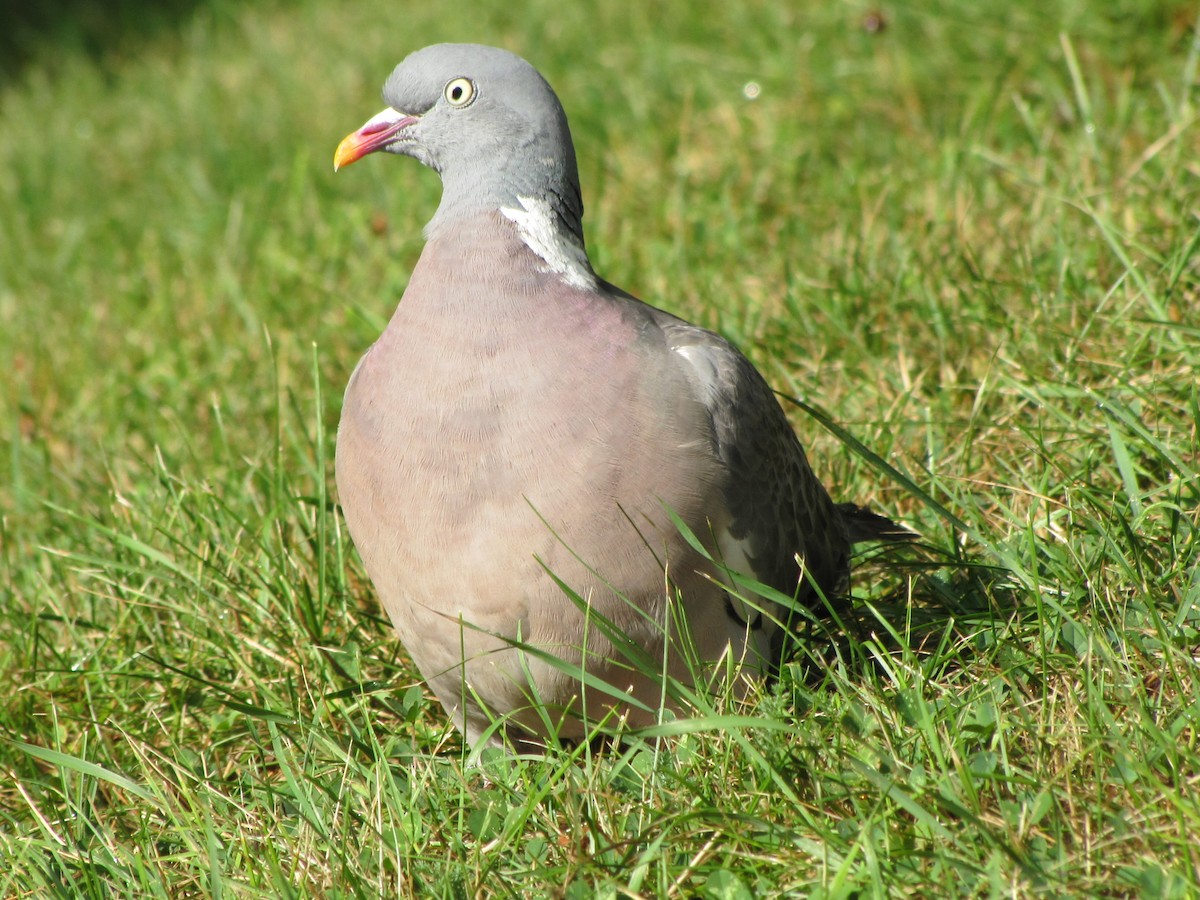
[459, 92]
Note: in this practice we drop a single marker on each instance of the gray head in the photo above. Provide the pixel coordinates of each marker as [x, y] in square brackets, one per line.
[486, 121]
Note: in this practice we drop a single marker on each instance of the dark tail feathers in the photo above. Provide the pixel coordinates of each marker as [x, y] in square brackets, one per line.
[863, 525]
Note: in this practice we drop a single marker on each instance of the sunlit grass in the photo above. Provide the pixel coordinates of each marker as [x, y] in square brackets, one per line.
[970, 239]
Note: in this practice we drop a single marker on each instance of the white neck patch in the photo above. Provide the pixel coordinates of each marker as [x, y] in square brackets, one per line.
[562, 253]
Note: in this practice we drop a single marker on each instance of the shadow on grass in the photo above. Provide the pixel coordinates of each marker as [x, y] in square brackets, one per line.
[41, 33]
[924, 595]
[930, 595]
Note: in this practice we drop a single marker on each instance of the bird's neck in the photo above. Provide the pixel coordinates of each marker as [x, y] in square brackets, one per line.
[558, 245]
[547, 218]
[502, 180]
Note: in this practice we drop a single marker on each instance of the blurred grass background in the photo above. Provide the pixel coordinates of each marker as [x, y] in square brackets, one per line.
[969, 232]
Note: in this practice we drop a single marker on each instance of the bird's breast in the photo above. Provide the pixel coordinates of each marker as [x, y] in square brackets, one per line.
[509, 439]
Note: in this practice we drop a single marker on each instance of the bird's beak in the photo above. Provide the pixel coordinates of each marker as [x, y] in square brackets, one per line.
[379, 131]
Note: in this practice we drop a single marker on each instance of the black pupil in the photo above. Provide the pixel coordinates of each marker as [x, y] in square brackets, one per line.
[456, 92]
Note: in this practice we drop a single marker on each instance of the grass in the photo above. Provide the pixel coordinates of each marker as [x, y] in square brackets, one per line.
[969, 238]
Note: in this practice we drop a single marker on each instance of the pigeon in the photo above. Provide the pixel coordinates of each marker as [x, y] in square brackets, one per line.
[550, 482]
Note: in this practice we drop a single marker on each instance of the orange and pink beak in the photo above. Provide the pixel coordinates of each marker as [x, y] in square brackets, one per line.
[379, 131]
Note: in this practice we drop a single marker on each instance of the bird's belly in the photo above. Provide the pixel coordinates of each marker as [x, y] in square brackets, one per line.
[480, 493]
[462, 507]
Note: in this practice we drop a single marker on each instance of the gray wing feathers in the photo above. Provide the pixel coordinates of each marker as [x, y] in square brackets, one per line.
[777, 507]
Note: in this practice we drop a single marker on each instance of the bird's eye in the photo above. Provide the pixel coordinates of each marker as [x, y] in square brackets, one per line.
[459, 92]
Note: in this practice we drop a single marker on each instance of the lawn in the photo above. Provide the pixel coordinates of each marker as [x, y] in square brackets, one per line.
[965, 236]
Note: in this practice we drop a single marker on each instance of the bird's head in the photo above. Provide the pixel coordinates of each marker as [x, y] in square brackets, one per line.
[485, 120]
